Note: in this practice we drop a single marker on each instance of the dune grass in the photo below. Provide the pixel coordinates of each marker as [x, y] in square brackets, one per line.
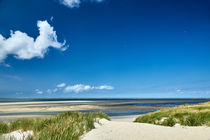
[187, 115]
[68, 125]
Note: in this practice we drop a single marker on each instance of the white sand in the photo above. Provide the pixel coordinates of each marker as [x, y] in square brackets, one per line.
[128, 118]
[115, 130]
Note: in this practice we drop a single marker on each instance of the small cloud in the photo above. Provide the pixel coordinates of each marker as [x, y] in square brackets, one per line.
[61, 85]
[38, 91]
[105, 87]
[80, 88]
[77, 88]
[76, 3]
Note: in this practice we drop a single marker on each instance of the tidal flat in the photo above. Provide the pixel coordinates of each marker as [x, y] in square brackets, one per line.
[11, 109]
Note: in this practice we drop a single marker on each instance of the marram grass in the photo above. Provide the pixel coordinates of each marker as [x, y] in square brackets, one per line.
[187, 115]
[64, 126]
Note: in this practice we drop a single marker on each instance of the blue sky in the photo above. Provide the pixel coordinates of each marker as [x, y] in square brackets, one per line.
[105, 48]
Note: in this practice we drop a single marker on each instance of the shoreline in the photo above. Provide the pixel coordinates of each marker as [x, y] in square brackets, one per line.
[119, 110]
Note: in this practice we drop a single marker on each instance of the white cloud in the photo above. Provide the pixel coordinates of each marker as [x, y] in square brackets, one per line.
[38, 91]
[105, 87]
[77, 88]
[80, 87]
[23, 46]
[76, 3]
[71, 3]
[61, 85]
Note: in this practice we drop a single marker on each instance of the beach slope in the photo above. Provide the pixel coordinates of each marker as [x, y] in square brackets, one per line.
[115, 130]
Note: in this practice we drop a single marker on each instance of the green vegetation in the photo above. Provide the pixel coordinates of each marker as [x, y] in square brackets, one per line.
[195, 115]
[68, 125]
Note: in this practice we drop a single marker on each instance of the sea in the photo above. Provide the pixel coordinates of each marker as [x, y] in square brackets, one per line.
[113, 107]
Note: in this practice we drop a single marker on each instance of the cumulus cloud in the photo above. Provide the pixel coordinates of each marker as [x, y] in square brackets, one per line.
[77, 88]
[61, 85]
[38, 91]
[23, 46]
[76, 3]
[80, 88]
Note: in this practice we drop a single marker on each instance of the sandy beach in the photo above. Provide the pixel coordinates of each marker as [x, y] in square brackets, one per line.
[122, 130]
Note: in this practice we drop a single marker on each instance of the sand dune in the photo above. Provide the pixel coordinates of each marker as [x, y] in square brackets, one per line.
[115, 130]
